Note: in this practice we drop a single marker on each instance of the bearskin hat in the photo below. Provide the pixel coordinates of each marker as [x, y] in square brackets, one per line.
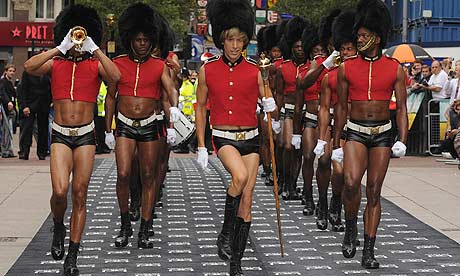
[374, 16]
[78, 15]
[310, 38]
[226, 14]
[294, 29]
[139, 18]
[342, 29]
[270, 37]
[167, 38]
[260, 40]
[325, 27]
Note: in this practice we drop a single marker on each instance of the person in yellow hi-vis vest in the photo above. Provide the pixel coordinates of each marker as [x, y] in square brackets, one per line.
[99, 121]
[187, 95]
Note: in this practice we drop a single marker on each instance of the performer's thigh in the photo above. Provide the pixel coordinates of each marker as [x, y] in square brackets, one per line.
[124, 153]
[355, 160]
[83, 160]
[309, 140]
[61, 163]
[234, 164]
[251, 161]
[287, 132]
[148, 156]
[379, 158]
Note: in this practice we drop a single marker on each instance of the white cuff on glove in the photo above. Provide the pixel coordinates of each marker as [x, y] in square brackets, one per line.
[171, 135]
[399, 149]
[268, 104]
[89, 45]
[296, 141]
[337, 155]
[110, 140]
[174, 114]
[319, 148]
[329, 62]
[202, 157]
[276, 126]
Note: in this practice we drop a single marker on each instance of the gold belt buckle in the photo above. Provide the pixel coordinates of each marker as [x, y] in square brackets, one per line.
[136, 123]
[240, 136]
[73, 132]
[374, 130]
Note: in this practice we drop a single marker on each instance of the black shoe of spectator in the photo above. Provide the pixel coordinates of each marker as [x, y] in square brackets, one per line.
[41, 157]
[23, 157]
[11, 155]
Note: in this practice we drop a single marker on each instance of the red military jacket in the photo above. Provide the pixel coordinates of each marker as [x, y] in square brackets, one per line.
[290, 72]
[77, 79]
[332, 82]
[233, 91]
[371, 78]
[140, 78]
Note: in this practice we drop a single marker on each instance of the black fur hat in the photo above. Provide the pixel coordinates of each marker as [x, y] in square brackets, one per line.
[342, 29]
[374, 16]
[310, 38]
[139, 18]
[78, 15]
[167, 38]
[260, 40]
[226, 14]
[270, 37]
[293, 30]
[325, 27]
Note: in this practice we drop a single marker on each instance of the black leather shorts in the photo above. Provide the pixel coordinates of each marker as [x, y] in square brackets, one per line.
[310, 123]
[244, 147]
[287, 113]
[73, 141]
[150, 132]
[370, 141]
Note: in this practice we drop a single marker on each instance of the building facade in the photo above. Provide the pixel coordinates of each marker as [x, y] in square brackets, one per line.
[26, 26]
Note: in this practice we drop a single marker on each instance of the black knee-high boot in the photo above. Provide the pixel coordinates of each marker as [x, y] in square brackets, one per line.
[239, 245]
[143, 236]
[349, 239]
[57, 246]
[125, 231]
[368, 261]
[321, 214]
[335, 214]
[225, 238]
[70, 263]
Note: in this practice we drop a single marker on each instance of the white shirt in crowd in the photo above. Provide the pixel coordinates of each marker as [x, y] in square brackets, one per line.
[439, 80]
[451, 88]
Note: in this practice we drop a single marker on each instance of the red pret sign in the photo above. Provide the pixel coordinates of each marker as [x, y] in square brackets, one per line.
[23, 33]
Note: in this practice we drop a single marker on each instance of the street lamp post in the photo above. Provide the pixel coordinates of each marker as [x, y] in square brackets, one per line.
[110, 21]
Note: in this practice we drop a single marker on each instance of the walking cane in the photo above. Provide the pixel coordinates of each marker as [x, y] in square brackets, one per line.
[264, 64]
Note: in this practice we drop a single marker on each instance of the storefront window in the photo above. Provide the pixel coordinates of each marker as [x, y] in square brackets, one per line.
[3, 8]
[44, 9]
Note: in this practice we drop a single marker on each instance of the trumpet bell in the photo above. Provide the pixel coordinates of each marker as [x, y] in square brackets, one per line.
[78, 35]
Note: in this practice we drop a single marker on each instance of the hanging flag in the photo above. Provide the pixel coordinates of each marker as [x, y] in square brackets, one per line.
[261, 15]
[271, 3]
[261, 4]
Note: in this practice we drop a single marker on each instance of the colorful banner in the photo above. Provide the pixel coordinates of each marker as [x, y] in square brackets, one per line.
[443, 123]
[413, 103]
[261, 4]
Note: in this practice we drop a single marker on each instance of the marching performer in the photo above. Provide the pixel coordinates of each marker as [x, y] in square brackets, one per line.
[139, 121]
[76, 73]
[368, 81]
[232, 84]
[345, 43]
[286, 77]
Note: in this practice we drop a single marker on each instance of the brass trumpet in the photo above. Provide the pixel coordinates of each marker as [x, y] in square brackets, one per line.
[337, 60]
[78, 35]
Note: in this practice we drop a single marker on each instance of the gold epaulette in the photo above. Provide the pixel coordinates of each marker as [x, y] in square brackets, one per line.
[119, 56]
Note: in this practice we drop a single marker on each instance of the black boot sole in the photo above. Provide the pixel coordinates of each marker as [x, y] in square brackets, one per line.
[370, 266]
[144, 245]
[58, 255]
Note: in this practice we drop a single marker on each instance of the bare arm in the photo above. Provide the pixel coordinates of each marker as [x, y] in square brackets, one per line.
[279, 89]
[166, 104]
[312, 75]
[342, 106]
[297, 125]
[200, 112]
[325, 103]
[401, 108]
[168, 86]
[109, 105]
[41, 64]
[107, 69]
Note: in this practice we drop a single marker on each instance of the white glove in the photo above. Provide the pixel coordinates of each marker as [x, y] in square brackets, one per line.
[258, 110]
[399, 149]
[89, 45]
[171, 135]
[296, 140]
[268, 104]
[174, 114]
[110, 140]
[202, 157]
[337, 155]
[276, 126]
[329, 62]
[319, 148]
[66, 44]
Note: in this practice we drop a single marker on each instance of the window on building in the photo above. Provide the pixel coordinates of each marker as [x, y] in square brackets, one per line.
[44, 9]
[3, 8]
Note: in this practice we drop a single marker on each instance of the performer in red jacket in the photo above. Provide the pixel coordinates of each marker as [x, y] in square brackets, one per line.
[368, 81]
[232, 84]
[76, 75]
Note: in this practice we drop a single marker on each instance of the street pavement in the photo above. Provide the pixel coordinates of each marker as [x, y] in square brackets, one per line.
[189, 222]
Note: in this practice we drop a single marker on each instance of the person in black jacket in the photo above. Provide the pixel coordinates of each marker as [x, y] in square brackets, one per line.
[34, 98]
[8, 113]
